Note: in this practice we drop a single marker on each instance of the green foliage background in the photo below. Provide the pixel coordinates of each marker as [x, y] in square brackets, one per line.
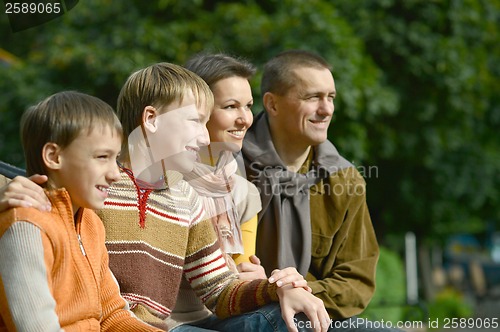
[390, 293]
[418, 85]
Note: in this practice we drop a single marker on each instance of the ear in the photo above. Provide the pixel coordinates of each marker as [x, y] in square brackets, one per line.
[51, 155]
[269, 101]
[149, 118]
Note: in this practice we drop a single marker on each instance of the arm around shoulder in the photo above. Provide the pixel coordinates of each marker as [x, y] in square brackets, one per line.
[23, 192]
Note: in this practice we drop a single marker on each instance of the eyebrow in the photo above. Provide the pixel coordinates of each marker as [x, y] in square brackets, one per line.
[237, 101]
[105, 150]
[315, 93]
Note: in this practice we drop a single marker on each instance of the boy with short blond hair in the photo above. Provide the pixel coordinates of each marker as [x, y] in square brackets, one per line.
[157, 235]
[54, 272]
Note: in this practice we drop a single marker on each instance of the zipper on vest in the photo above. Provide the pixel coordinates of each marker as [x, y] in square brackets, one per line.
[81, 245]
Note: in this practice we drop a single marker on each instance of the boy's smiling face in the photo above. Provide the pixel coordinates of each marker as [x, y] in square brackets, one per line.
[87, 166]
[174, 134]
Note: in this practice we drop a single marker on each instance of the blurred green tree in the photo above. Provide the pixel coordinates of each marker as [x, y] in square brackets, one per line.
[438, 156]
[418, 105]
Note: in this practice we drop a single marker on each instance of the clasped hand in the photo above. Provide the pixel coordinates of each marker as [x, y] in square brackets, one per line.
[294, 294]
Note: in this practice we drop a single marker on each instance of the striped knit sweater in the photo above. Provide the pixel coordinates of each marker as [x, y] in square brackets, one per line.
[54, 276]
[157, 237]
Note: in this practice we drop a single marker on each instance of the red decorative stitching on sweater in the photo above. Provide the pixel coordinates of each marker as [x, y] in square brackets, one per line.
[142, 195]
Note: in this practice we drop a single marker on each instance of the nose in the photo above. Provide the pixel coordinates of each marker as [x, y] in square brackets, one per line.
[114, 172]
[326, 107]
[203, 138]
[245, 117]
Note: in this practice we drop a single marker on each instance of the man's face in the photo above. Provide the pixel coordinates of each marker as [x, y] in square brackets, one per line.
[305, 111]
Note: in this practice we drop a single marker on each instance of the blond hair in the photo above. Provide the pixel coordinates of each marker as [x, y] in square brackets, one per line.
[158, 85]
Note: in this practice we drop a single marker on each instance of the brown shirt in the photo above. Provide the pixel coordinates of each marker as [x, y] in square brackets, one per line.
[344, 246]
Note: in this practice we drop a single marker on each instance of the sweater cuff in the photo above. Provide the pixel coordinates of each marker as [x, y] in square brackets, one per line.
[271, 290]
[245, 296]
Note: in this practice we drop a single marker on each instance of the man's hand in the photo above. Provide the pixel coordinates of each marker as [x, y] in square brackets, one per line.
[252, 270]
[25, 192]
[296, 300]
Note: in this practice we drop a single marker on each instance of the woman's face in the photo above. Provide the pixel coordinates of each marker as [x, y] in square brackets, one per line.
[232, 114]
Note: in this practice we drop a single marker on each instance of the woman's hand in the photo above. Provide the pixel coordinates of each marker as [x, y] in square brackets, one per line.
[289, 276]
[297, 300]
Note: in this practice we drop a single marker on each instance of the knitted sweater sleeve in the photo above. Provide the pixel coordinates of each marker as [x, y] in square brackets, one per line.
[209, 276]
[26, 301]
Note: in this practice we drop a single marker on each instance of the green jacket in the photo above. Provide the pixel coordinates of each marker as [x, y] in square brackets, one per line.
[344, 246]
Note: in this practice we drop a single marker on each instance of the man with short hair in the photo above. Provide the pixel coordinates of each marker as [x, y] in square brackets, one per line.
[314, 215]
